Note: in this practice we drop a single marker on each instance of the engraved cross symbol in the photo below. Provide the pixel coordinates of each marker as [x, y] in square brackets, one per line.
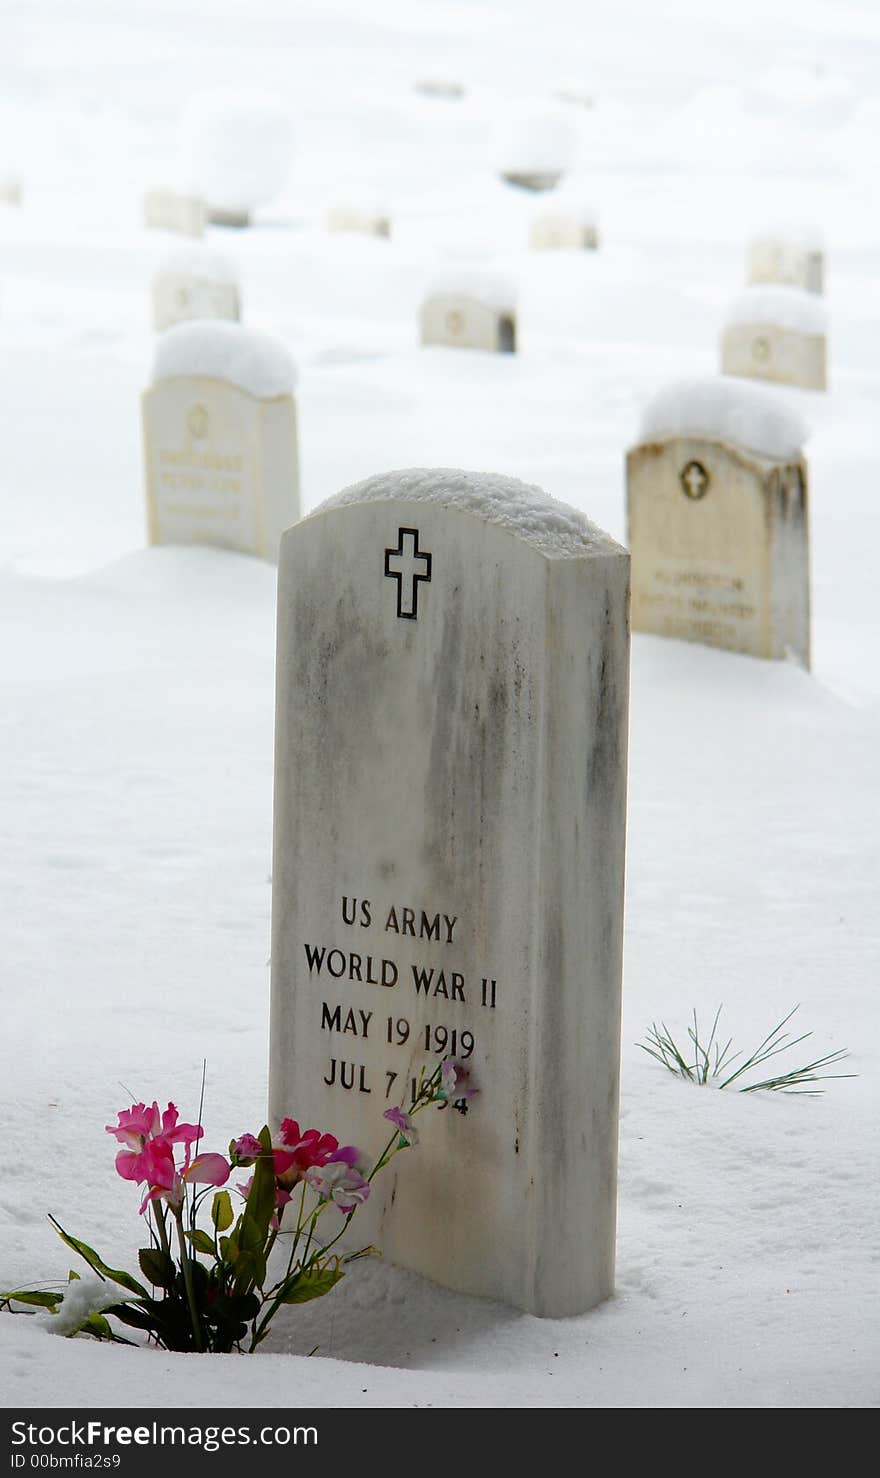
[695, 479]
[407, 564]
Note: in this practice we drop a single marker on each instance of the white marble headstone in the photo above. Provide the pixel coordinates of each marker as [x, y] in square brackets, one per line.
[450, 785]
[194, 284]
[777, 334]
[220, 444]
[365, 219]
[718, 520]
[564, 224]
[169, 210]
[470, 309]
[788, 261]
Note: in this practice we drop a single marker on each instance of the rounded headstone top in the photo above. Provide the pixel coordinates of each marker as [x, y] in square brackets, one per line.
[786, 307]
[480, 284]
[556, 529]
[726, 408]
[217, 350]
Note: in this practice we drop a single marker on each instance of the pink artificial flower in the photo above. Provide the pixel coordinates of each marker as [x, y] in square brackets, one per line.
[339, 1182]
[140, 1126]
[246, 1148]
[403, 1124]
[296, 1152]
[169, 1183]
[455, 1081]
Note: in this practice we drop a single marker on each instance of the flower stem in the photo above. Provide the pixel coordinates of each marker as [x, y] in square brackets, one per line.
[190, 1291]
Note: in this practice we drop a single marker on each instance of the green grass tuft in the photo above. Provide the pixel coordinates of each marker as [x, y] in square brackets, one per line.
[710, 1062]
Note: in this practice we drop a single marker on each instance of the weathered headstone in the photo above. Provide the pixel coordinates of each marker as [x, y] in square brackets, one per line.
[470, 310]
[450, 784]
[220, 445]
[564, 223]
[776, 333]
[718, 525]
[194, 284]
[792, 261]
[170, 210]
[368, 220]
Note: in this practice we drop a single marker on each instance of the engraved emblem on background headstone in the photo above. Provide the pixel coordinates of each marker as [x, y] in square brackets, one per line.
[197, 421]
[407, 564]
[694, 480]
[454, 322]
[761, 350]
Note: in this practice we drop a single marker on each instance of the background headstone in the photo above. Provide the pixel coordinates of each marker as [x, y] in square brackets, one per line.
[169, 210]
[470, 310]
[220, 445]
[368, 220]
[450, 785]
[564, 222]
[194, 284]
[777, 334]
[718, 520]
[789, 261]
[533, 147]
[238, 149]
[11, 189]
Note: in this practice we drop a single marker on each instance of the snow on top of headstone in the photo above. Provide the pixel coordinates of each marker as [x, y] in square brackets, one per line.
[217, 350]
[555, 528]
[197, 261]
[726, 408]
[238, 148]
[479, 283]
[533, 139]
[786, 307]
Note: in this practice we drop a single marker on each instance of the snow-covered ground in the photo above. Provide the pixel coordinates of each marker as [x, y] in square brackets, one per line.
[137, 694]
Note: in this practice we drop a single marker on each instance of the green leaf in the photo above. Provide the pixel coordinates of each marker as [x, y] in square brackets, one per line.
[94, 1324]
[221, 1211]
[37, 1297]
[73, 1276]
[201, 1242]
[157, 1267]
[311, 1283]
[89, 1255]
[253, 1226]
[229, 1247]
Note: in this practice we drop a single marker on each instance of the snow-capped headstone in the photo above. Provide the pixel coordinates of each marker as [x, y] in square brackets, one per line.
[533, 147]
[718, 526]
[194, 284]
[220, 439]
[564, 223]
[450, 786]
[238, 148]
[470, 309]
[172, 210]
[792, 261]
[369, 220]
[776, 333]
